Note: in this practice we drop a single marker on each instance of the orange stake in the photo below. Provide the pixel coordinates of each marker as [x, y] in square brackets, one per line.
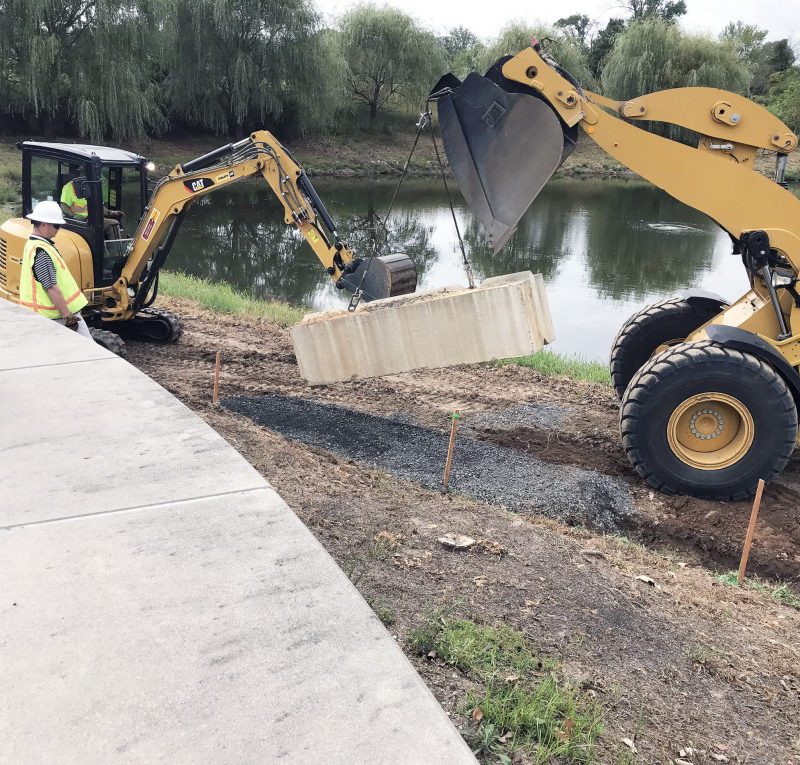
[748, 540]
[449, 462]
[215, 397]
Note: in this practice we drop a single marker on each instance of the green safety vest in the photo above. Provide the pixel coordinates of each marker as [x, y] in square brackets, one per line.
[31, 293]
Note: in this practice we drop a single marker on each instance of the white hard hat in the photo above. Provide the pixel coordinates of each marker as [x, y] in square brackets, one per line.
[47, 212]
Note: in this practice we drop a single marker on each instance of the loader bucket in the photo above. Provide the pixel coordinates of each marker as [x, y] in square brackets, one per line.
[502, 146]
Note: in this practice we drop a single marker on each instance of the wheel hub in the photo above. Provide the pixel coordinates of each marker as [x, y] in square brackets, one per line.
[710, 431]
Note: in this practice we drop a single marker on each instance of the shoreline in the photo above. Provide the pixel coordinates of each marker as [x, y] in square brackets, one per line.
[380, 155]
[222, 298]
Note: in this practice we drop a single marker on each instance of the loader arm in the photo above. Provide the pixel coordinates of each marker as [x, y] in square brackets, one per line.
[259, 155]
[716, 177]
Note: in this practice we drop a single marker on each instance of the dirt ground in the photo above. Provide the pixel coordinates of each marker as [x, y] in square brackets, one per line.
[678, 660]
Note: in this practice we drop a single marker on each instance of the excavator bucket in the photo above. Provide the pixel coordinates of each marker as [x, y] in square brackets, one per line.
[382, 277]
[502, 144]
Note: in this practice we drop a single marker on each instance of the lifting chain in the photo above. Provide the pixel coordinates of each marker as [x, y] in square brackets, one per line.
[423, 122]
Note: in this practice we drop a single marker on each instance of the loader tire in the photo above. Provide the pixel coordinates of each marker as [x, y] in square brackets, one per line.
[653, 329]
[110, 341]
[709, 421]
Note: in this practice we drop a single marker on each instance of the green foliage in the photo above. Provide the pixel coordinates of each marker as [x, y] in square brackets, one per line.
[457, 40]
[390, 58]
[747, 41]
[222, 298]
[762, 59]
[781, 592]
[780, 55]
[553, 365]
[578, 25]
[653, 55]
[602, 44]
[464, 51]
[665, 10]
[563, 47]
[84, 63]
[522, 703]
[784, 97]
[248, 62]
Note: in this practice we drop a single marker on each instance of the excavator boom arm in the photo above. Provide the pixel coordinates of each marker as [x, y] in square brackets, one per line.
[259, 155]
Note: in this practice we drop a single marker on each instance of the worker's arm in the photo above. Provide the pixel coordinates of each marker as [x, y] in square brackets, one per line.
[58, 301]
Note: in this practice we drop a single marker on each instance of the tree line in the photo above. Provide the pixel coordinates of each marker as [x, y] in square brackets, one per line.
[123, 69]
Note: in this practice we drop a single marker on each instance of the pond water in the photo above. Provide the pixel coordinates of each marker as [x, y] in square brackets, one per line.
[605, 247]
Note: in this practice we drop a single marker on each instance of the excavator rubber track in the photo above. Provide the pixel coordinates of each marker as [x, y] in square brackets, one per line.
[154, 325]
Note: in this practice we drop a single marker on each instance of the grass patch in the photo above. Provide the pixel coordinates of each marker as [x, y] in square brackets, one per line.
[780, 592]
[10, 177]
[523, 706]
[553, 364]
[221, 297]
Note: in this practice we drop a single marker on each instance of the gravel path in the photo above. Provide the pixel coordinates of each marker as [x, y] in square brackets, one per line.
[528, 414]
[484, 471]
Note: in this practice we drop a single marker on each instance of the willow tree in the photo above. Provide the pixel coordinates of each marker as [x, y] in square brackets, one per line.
[234, 65]
[390, 58]
[80, 64]
[784, 97]
[654, 55]
[563, 47]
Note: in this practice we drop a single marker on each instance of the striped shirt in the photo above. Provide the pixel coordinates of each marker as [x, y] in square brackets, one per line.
[43, 268]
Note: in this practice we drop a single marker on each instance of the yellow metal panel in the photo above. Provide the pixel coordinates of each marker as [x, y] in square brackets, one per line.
[714, 112]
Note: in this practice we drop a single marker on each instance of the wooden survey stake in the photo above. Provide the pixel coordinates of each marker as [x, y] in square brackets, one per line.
[215, 396]
[454, 417]
[748, 540]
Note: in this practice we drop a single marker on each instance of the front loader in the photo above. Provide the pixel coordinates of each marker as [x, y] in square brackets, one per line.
[119, 273]
[709, 390]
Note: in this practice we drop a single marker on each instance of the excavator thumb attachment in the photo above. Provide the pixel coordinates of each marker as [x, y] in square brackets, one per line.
[502, 145]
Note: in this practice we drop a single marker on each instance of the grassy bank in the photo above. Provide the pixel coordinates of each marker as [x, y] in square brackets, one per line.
[222, 298]
[555, 365]
[521, 705]
[361, 155]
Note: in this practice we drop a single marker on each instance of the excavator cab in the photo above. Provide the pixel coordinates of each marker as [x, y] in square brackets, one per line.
[92, 184]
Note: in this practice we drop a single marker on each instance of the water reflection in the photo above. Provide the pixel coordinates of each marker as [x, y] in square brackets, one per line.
[604, 247]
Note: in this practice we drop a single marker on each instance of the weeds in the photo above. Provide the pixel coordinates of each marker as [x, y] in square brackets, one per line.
[781, 592]
[523, 704]
[384, 611]
[707, 658]
[221, 297]
[552, 364]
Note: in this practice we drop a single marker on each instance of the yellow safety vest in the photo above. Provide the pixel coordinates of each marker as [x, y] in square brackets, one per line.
[31, 293]
[69, 197]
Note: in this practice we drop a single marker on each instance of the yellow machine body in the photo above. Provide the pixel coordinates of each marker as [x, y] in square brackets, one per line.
[141, 257]
[73, 248]
[709, 390]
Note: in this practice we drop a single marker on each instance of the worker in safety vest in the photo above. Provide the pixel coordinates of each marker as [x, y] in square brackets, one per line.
[45, 283]
[78, 207]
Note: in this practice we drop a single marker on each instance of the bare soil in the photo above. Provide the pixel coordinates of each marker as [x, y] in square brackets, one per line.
[678, 660]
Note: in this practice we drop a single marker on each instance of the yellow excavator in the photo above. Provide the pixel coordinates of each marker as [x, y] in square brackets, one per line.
[119, 274]
[709, 390]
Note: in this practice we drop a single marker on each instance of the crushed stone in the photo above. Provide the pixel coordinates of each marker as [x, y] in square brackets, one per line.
[481, 470]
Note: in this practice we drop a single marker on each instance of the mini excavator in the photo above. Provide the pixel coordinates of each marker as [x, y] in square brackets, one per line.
[709, 390]
[119, 274]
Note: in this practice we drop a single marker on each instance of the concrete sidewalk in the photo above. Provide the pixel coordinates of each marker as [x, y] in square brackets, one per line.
[160, 601]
